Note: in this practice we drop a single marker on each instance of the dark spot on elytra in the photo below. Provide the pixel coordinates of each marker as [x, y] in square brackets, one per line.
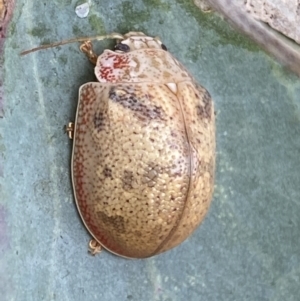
[206, 167]
[127, 97]
[127, 179]
[152, 171]
[107, 172]
[99, 121]
[204, 110]
[116, 222]
[137, 233]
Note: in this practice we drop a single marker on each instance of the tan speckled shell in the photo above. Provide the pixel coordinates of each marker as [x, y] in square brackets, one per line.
[144, 153]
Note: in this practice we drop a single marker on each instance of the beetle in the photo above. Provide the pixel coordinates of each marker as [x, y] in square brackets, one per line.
[143, 159]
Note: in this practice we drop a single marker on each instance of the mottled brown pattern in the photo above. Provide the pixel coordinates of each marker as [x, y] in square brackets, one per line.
[115, 222]
[143, 159]
[107, 172]
[204, 106]
[134, 100]
[201, 137]
[127, 180]
[99, 119]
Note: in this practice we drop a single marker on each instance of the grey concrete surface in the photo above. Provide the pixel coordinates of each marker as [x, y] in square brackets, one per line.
[248, 247]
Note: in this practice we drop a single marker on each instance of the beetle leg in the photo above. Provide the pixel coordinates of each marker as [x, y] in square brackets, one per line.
[87, 49]
[94, 247]
[70, 129]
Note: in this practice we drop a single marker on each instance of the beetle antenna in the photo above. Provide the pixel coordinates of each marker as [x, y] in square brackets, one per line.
[81, 39]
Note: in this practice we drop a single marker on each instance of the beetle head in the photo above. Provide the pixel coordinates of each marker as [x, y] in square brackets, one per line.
[138, 40]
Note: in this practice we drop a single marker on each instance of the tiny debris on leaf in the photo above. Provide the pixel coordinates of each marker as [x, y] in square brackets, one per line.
[82, 10]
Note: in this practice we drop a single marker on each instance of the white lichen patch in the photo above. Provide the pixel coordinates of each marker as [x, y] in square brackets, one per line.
[82, 10]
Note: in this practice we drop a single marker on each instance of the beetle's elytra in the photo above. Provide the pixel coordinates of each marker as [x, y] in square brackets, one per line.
[144, 149]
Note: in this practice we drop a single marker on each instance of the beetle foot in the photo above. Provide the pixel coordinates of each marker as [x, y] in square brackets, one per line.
[94, 247]
[87, 49]
[70, 130]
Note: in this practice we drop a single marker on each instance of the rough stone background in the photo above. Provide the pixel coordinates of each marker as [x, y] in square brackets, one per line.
[281, 47]
[282, 15]
[248, 247]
